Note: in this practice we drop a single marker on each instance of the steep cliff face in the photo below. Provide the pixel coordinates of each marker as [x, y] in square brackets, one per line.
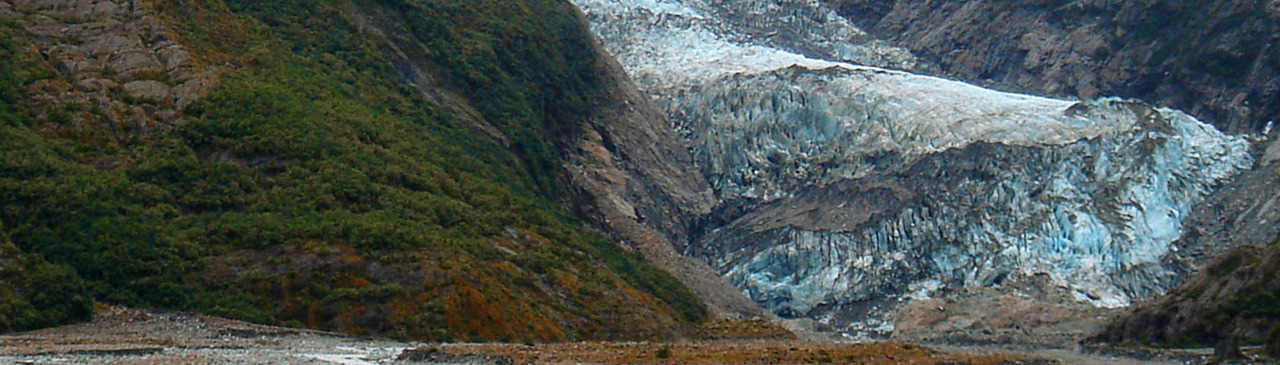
[1218, 60]
[844, 189]
[625, 167]
[634, 173]
[389, 168]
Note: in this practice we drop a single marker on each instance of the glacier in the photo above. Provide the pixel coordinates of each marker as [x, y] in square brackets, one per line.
[847, 185]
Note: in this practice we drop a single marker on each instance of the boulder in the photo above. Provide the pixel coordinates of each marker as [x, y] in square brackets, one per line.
[133, 61]
[149, 89]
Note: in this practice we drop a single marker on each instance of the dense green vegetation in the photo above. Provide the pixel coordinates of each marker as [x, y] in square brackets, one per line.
[10, 81]
[526, 64]
[33, 292]
[314, 187]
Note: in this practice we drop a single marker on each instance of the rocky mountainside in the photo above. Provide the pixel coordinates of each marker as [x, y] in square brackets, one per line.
[625, 167]
[843, 190]
[128, 78]
[1218, 60]
[392, 167]
[1231, 302]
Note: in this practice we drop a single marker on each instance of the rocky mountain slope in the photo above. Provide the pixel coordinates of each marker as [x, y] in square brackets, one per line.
[1242, 212]
[394, 168]
[1230, 303]
[1218, 60]
[844, 189]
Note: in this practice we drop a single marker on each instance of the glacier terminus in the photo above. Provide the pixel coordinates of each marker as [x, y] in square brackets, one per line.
[846, 185]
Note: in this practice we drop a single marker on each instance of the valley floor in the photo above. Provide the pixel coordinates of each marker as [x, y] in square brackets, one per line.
[127, 336]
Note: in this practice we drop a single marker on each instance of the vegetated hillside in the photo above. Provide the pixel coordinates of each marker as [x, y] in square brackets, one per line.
[1235, 299]
[1218, 60]
[269, 161]
[35, 293]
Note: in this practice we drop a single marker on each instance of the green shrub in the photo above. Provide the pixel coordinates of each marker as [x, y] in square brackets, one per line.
[56, 294]
[1272, 344]
[664, 352]
[36, 294]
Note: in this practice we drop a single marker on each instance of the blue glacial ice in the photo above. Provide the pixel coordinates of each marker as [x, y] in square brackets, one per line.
[800, 118]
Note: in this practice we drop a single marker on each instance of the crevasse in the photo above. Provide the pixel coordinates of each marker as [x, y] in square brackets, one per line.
[863, 184]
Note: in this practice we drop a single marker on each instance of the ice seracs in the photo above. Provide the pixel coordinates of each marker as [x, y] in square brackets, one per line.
[846, 186]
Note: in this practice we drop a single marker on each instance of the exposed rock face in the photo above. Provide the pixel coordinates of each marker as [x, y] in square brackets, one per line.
[121, 68]
[842, 190]
[1218, 60]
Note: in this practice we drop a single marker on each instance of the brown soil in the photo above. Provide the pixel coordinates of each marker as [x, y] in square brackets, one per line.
[722, 352]
[1028, 311]
[128, 336]
[757, 329]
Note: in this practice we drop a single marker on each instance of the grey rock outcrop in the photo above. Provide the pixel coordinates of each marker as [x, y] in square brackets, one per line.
[118, 66]
[636, 172]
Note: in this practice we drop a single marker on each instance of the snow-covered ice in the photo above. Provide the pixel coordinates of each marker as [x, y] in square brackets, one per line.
[782, 98]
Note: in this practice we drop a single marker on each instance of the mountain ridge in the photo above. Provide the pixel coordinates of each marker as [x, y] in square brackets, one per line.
[1217, 60]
